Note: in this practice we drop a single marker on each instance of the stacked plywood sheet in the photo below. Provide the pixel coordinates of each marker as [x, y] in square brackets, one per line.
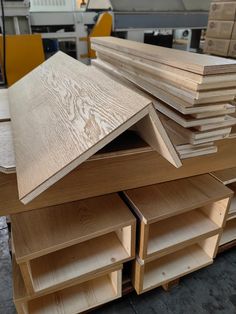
[228, 178]
[193, 92]
[180, 227]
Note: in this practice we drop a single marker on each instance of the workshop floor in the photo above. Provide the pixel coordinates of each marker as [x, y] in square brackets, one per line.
[211, 290]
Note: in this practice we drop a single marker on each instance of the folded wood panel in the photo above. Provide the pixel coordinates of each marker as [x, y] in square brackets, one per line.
[70, 112]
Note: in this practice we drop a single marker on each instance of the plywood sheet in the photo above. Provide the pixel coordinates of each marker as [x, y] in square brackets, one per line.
[62, 113]
[160, 201]
[226, 176]
[196, 63]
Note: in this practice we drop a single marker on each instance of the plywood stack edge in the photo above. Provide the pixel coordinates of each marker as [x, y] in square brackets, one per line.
[69, 257]
[228, 178]
[180, 225]
[193, 93]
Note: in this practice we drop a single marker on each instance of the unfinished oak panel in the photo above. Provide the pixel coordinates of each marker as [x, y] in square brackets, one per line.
[40, 232]
[96, 177]
[196, 63]
[149, 275]
[74, 111]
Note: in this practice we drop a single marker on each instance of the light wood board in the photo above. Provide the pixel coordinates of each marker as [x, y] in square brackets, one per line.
[96, 177]
[157, 202]
[229, 233]
[227, 122]
[185, 94]
[173, 101]
[196, 63]
[226, 176]
[172, 75]
[74, 112]
[4, 105]
[84, 220]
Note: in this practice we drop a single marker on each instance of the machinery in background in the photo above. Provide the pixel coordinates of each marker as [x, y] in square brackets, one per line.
[67, 25]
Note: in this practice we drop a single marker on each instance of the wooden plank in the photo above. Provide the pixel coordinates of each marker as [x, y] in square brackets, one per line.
[188, 122]
[196, 63]
[174, 76]
[229, 233]
[226, 176]
[228, 110]
[96, 177]
[173, 101]
[232, 208]
[180, 231]
[161, 201]
[228, 122]
[78, 106]
[4, 105]
[7, 155]
[84, 220]
[185, 94]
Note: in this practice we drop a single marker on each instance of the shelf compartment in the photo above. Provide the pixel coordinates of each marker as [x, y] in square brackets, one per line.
[232, 208]
[229, 233]
[60, 242]
[149, 275]
[178, 213]
[178, 232]
[103, 288]
[81, 261]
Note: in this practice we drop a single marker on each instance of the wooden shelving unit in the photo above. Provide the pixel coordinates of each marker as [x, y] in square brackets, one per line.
[180, 226]
[65, 247]
[102, 288]
[228, 178]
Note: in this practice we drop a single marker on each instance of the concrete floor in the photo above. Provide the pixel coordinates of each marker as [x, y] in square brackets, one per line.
[209, 291]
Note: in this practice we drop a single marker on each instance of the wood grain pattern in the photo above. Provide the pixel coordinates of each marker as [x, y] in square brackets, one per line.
[85, 220]
[200, 64]
[4, 105]
[96, 177]
[73, 111]
[160, 201]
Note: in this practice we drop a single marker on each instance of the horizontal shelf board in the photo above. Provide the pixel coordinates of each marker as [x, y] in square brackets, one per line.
[75, 299]
[179, 230]
[226, 176]
[79, 261]
[174, 266]
[229, 233]
[54, 228]
[157, 202]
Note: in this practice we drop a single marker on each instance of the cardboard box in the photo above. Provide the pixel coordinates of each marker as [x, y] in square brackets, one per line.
[232, 49]
[234, 32]
[225, 11]
[218, 47]
[220, 29]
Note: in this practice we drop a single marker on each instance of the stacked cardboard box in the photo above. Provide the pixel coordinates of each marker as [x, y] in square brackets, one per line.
[221, 29]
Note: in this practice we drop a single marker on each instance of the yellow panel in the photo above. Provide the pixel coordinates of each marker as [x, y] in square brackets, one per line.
[102, 28]
[23, 54]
